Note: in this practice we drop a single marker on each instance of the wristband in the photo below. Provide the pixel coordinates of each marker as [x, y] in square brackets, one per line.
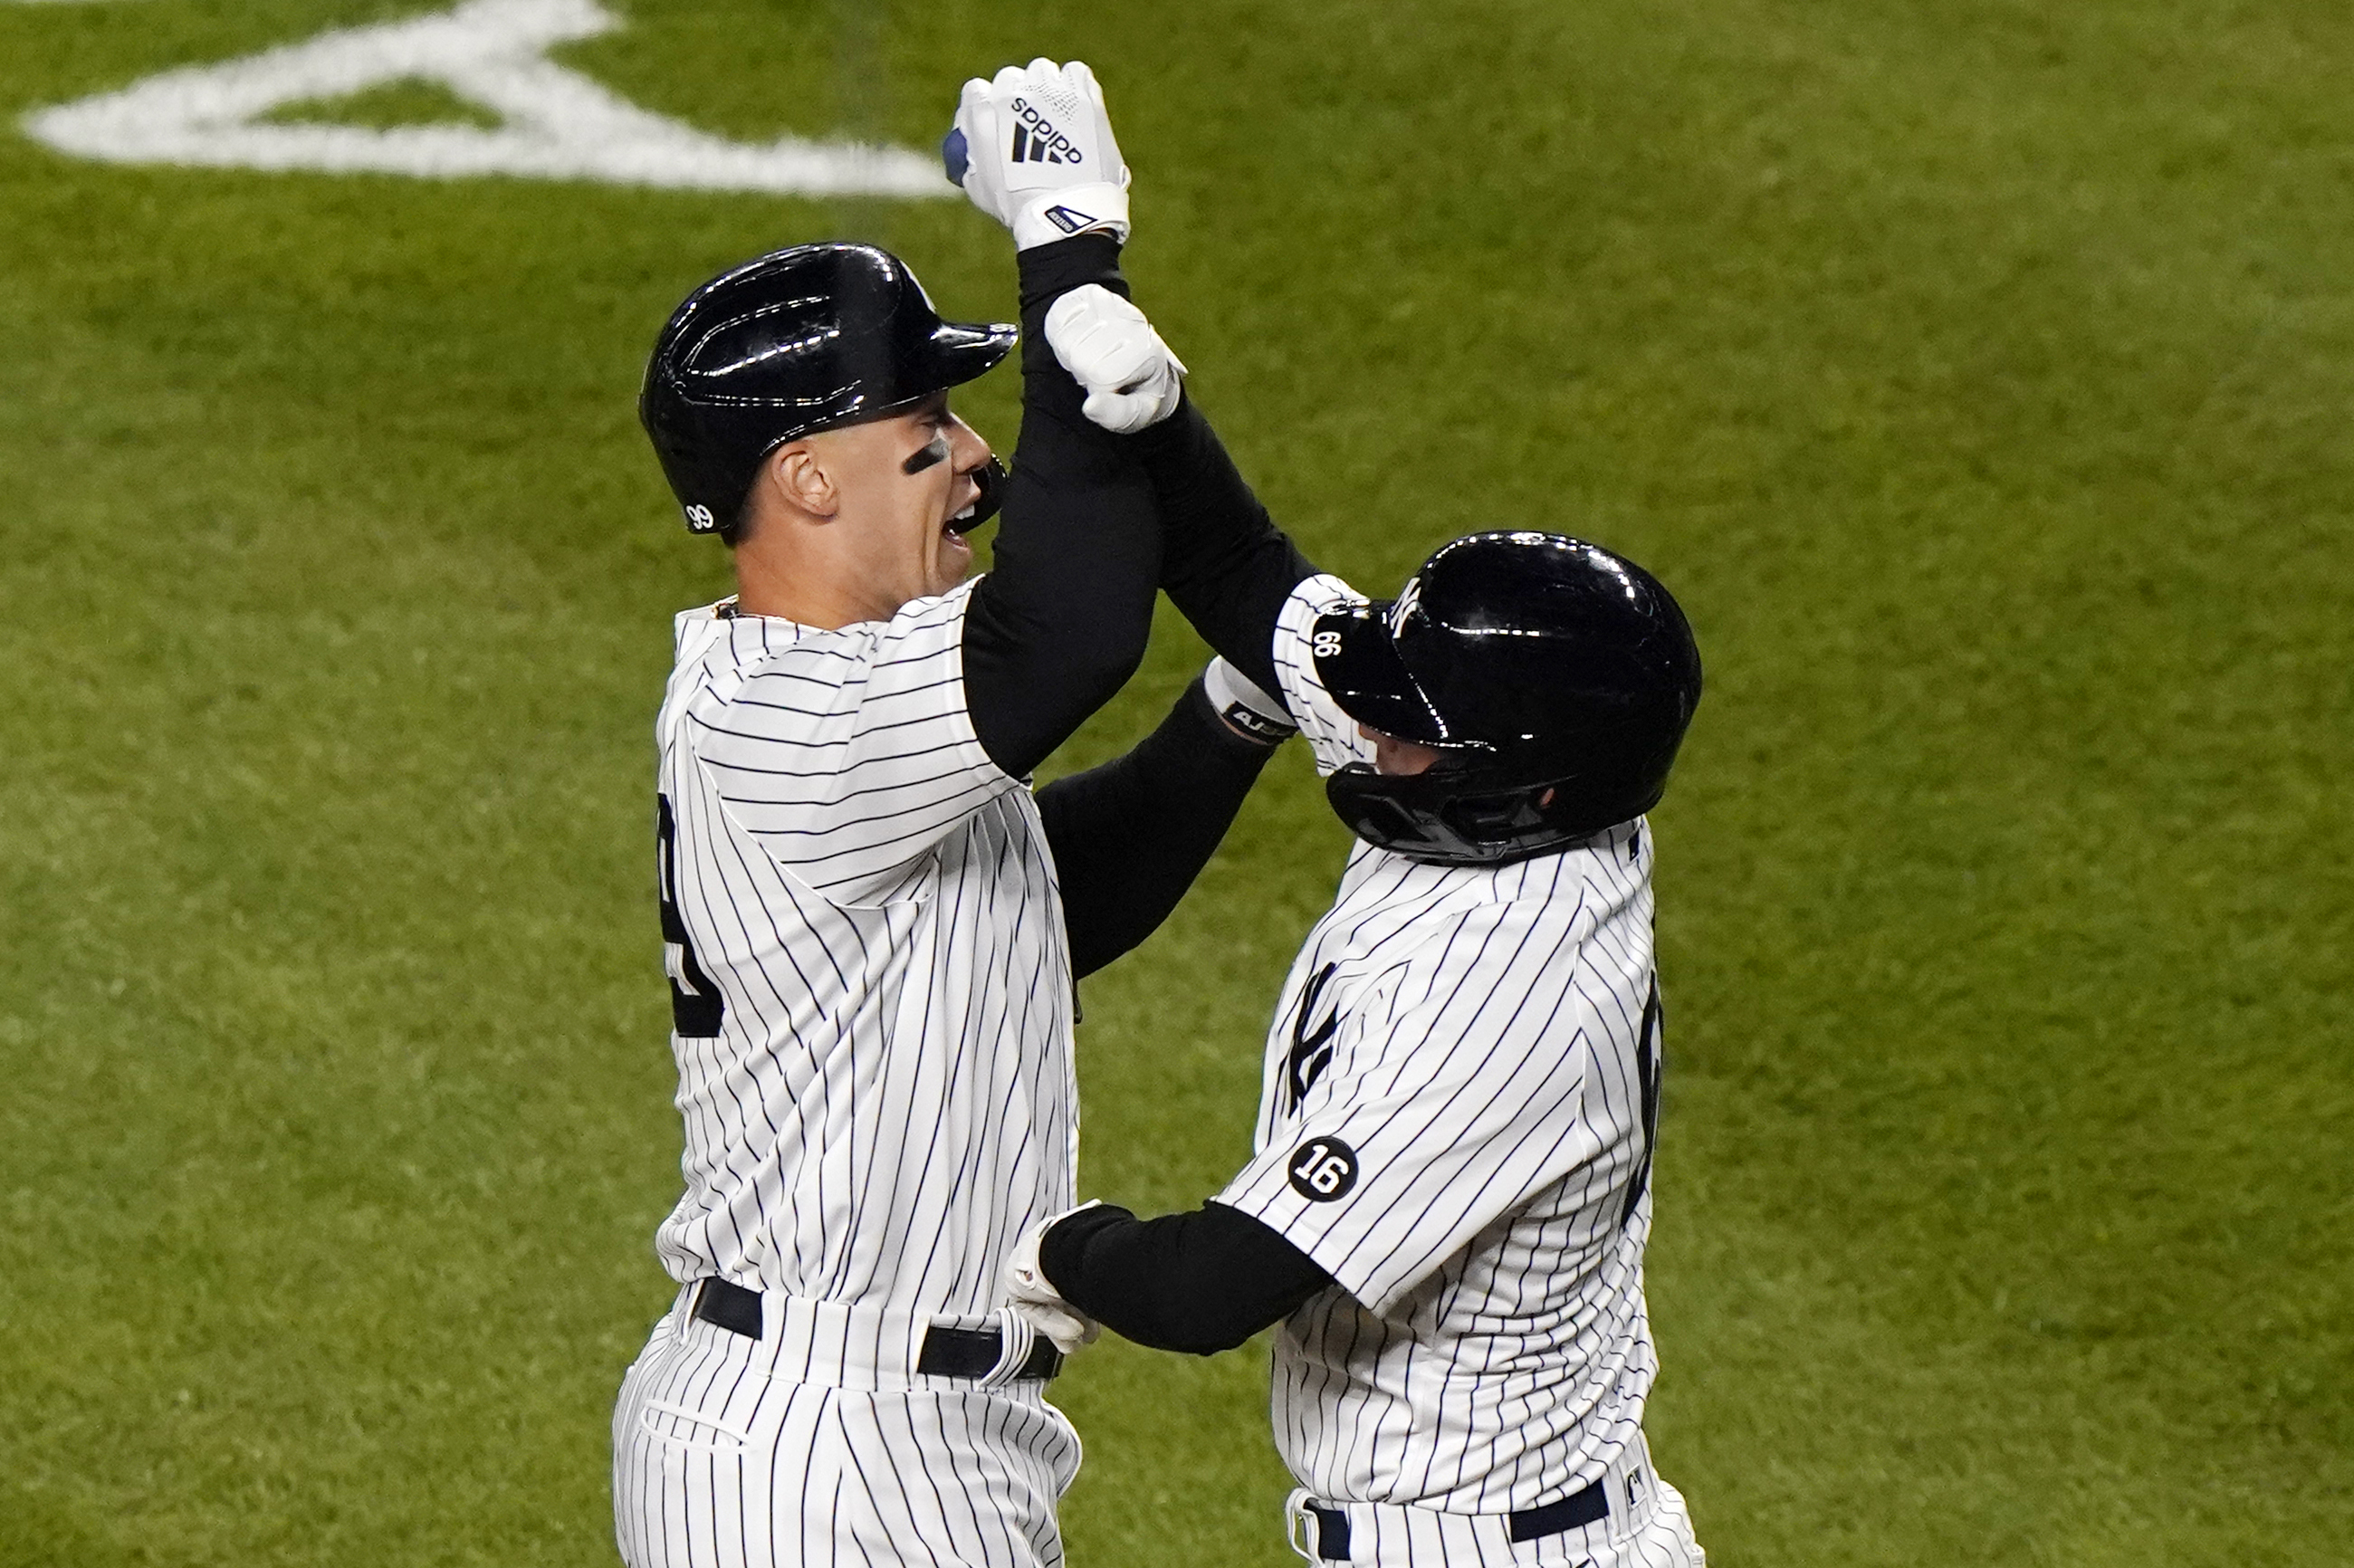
[1241, 703]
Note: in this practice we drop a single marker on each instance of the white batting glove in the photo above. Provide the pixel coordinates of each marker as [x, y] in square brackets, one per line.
[1030, 1294]
[1037, 153]
[1130, 377]
[1245, 707]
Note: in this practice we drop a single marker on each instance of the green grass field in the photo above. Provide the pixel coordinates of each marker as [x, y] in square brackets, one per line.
[1979, 371]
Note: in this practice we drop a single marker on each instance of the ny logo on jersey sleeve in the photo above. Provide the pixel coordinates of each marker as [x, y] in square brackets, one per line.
[1311, 1048]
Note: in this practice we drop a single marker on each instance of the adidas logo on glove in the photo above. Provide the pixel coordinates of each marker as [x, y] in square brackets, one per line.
[1032, 149]
[1036, 140]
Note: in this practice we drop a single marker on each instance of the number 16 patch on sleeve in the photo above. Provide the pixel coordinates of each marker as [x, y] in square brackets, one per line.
[1322, 1170]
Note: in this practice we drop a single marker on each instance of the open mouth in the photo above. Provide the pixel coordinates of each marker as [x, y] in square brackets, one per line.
[987, 484]
[971, 516]
[958, 524]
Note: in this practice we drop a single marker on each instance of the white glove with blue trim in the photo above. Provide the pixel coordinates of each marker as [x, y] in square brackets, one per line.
[1033, 149]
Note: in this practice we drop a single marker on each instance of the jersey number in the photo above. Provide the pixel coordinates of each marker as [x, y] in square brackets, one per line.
[696, 1004]
[1650, 1059]
[1323, 1169]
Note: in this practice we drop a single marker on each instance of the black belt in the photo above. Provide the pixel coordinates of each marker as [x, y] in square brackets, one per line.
[947, 1353]
[1529, 1524]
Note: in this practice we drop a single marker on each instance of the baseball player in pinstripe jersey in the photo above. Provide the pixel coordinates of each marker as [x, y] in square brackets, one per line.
[1450, 1197]
[872, 925]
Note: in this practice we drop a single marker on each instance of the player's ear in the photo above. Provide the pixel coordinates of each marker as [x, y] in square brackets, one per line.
[799, 476]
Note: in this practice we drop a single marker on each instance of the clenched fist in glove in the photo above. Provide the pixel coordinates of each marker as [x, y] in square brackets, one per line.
[1033, 149]
[1130, 377]
[1034, 1296]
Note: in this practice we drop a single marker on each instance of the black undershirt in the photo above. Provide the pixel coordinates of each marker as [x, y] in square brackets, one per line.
[1205, 1281]
[1092, 524]
[1200, 1283]
[1129, 837]
[1224, 564]
[1060, 621]
[1059, 624]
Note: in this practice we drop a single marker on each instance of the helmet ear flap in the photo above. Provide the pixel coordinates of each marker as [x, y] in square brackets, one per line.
[1435, 816]
[1393, 818]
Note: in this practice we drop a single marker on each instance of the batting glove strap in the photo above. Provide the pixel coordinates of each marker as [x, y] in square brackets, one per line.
[1089, 209]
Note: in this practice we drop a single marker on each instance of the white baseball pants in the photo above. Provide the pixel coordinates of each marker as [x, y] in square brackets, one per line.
[818, 1444]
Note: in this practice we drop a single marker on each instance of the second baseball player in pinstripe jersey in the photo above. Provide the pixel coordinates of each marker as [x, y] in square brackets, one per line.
[1449, 1197]
[1456, 1124]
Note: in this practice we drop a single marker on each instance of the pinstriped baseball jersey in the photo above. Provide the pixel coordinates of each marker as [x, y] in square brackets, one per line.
[1461, 1090]
[871, 992]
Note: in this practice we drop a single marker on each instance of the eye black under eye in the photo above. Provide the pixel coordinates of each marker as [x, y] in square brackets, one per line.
[932, 452]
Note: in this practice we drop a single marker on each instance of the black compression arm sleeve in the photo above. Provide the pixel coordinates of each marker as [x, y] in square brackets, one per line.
[1129, 837]
[1200, 1283]
[1224, 562]
[1062, 618]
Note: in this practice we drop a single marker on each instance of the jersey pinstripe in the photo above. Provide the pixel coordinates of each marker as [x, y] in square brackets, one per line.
[866, 953]
[1460, 1091]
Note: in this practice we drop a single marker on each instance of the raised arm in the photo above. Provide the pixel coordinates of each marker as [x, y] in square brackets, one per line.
[1062, 618]
[1224, 564]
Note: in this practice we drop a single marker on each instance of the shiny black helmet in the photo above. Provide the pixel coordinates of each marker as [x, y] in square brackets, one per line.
[800, 341]
[1555, 679]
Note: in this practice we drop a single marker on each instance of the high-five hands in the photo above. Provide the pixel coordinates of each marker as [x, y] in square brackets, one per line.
[1033, 149]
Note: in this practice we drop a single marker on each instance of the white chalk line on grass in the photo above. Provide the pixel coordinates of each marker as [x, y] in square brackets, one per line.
[556, 122]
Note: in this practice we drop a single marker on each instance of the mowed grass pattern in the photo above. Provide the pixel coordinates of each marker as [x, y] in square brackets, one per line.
[1978, 373]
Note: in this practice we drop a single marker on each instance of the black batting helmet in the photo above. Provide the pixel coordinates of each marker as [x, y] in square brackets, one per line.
[800, 341]
[1556, 678]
